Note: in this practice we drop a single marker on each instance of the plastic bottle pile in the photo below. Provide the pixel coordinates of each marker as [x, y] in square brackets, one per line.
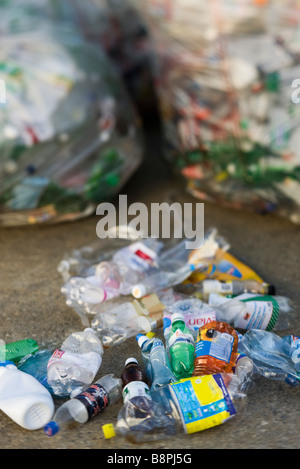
[70, 136]
[227, 77]
[202, 341]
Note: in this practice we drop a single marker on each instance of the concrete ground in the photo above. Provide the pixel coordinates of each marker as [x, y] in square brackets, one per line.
[31, 305]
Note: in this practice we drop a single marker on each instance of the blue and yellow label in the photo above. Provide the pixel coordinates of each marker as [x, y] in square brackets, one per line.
[203, 402]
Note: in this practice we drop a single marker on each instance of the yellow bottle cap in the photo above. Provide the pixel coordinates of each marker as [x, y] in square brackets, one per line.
[150, 335]
[108, 430]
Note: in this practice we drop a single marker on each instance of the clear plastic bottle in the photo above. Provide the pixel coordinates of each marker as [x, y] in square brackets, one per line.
[181, 348]
[122, 321]
[254, 311]
[86, 405]
[161, 280]
[271, 355]
[83, 293]
[75, 364]
[216, 349]
[156, 361]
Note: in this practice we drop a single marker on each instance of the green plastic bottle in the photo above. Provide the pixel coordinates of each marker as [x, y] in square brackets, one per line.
[181, 348]
[14, 351]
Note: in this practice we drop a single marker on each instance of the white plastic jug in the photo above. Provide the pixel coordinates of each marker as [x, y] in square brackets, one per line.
[23, 398]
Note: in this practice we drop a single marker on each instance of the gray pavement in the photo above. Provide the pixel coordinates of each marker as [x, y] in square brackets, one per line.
[31, 305]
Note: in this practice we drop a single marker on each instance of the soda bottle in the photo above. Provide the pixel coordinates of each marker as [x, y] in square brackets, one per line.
[75, 364]
[181, 348]
[216, 349]
[86, 405]
[156, 361]
[133, 378]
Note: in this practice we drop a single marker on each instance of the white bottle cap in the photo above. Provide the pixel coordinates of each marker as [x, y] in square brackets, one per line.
[138, 291]
[131, 360]
[177, 317]
[141, 339]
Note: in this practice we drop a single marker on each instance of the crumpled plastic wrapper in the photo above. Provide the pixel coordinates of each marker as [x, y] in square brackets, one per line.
[70, 136]
[225, 77]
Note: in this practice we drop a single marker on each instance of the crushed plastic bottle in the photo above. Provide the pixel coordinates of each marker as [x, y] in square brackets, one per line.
[187, 406]
[216, 349]
[86, 405]
[254, 311]
[36, 366]
[26, 401]
[181, 348]
[272, 355]
[120, 321]
[75, 364]
[156, 361]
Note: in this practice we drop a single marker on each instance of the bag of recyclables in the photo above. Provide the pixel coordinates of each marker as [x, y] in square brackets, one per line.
[226, 76]
[69, 135]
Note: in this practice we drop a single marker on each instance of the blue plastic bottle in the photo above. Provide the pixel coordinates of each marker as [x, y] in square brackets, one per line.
[156, 361]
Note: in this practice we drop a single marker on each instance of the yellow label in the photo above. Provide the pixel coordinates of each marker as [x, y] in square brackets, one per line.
[203, 402]
[225, 267]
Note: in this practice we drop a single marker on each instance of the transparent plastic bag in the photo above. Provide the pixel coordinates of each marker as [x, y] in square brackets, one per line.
[69, 136]
[224, 76]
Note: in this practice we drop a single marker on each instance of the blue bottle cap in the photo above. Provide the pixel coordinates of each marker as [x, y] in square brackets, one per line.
[138, 336]
[51, 428]
[7, 363]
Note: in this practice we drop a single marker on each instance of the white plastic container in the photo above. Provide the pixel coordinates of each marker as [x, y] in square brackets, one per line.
[23, 398]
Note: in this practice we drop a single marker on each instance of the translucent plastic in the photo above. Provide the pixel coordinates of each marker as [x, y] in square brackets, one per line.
[76, 364]
[216, 349]
[156, 361]
[271, 355]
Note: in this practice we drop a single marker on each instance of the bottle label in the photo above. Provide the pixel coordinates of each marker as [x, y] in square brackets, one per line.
[193, 321]
[219, 347]
[179, 336]
[90, 361]
[95, 399]
[143, 257]
[203, 402]
[215, 286]
[262, 312]
[136, 388]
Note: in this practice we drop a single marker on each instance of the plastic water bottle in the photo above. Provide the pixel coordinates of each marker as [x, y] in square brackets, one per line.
[156, 361]
[216, 349]
[181, 348]
[124, 320]
[23, 398]
[75, 364]
[272, 356]
[36, 366]
[86, 405]
[14, 351]
[83, 293]
[161, 280]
